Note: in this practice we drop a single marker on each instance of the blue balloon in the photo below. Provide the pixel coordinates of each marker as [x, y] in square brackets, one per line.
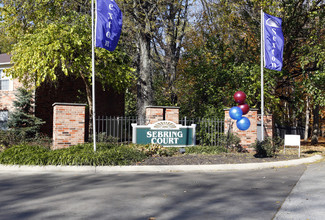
[235, 113]
[243, 124]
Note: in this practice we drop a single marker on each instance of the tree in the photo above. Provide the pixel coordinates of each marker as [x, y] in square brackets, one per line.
[168, 41]
[141, 17]
[4, 43]
[54, 37]
[159, 27]
[303, 59]
[22, 121]
[222, 55]
[312, 64]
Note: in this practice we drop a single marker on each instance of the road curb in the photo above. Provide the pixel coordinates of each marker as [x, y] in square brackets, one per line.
[160, 168]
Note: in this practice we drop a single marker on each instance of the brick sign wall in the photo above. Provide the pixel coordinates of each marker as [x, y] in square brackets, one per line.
[162, 128]
[248, 137]
[68, 124]
[160, 113]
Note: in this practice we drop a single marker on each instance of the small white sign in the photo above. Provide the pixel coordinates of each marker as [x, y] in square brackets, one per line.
[292, 140]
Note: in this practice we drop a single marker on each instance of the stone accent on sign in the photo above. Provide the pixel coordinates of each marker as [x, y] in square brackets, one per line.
[248, 137]
[161, 113]
[68, 124]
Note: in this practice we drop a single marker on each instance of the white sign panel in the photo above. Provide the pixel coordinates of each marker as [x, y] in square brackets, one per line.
[292, 140]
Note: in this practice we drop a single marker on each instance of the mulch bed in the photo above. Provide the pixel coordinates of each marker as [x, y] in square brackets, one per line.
[226, 158]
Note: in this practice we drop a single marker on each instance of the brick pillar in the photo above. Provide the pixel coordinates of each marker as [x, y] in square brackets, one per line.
[268, 125]
[160, 113]
[172, 114]
[68, 124]
[247, 137]
[154, 114]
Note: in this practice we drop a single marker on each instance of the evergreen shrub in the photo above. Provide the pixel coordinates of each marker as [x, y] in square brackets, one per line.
[268, 147]
[22, 121]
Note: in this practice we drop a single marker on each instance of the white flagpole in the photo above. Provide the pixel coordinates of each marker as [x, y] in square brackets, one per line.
[93, 71]
[262, 73]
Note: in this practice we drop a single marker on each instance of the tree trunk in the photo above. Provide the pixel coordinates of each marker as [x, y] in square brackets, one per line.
[177, 22]
[173, 94]
[171, 69]
[307, 119]
[314, 138]
[144, 84]
[90, 104]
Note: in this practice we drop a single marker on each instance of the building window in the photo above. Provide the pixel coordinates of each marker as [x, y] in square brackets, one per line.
[5, 82]
[4, 119]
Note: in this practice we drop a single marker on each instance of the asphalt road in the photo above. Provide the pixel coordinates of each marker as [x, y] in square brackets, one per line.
[307, 199]
[251, 194]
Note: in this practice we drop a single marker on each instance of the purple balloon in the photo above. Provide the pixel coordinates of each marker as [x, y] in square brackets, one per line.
[243, 124]
[240, 97]
[235, 113]
[244, 107]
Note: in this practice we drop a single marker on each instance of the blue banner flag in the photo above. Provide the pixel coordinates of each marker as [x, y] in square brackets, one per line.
[273, 42]
[108, 24]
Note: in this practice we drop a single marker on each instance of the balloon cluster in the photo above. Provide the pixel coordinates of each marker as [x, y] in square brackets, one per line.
[237, 112]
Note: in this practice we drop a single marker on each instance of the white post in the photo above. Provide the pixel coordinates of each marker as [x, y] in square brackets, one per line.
[262, 77]
[93, 71]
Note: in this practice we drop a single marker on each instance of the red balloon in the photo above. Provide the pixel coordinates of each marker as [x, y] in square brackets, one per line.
[244, 107]
[240, 97]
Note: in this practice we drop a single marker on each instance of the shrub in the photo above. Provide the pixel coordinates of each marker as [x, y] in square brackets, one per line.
[124, 155]
[22, 121]
[103, 137]
[104, 155]
[41, 140]
[267, 148]
[205, 150]
[9, 138]
[155, 150]
[24, 155]
[205, 132]
[75, 155]
[231, 142]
